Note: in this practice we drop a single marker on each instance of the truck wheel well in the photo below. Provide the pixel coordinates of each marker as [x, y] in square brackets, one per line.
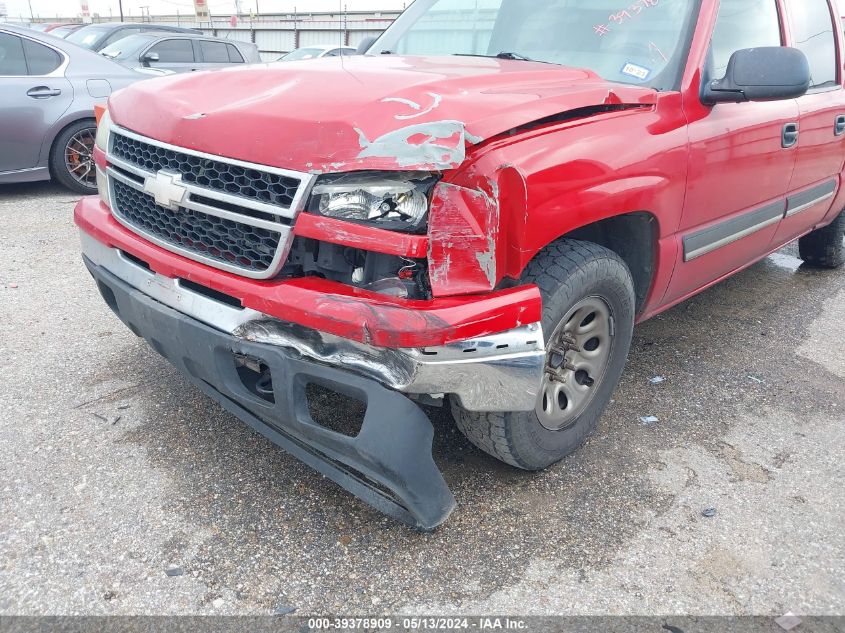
[631, 236]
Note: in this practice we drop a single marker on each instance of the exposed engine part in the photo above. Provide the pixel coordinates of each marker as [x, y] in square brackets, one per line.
[386, 274]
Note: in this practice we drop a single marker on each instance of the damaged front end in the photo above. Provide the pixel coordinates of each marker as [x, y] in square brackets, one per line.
[382, 286]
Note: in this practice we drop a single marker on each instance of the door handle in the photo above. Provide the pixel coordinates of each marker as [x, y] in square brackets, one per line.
[839, 126]
[790, 135]
[43, 92]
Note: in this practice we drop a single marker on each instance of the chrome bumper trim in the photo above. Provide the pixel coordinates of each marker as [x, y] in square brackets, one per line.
[500, 372]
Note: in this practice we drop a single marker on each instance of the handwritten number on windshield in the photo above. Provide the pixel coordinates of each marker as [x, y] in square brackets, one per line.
[622, 16]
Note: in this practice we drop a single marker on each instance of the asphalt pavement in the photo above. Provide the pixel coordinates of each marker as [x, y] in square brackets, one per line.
[123, 490]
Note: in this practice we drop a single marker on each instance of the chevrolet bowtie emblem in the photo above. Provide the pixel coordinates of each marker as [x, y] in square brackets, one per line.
[167, 189]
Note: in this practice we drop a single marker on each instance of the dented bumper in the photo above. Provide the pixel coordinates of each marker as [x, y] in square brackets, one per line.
[495, 372]
[388, 463]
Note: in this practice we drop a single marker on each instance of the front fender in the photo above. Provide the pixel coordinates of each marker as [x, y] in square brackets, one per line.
[515, 196]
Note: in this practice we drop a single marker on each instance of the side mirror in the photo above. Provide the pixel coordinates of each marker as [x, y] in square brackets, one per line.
[770, 73]
[365, 44]
[150, 57]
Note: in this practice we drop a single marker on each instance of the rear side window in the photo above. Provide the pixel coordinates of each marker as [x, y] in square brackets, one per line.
[40, 59]
[214, 52]
[812, 30]
[234, 54]
[743, 24]
[12, 61]
[173, 51]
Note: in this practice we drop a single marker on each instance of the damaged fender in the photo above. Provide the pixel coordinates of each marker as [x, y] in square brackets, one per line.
[466, 226]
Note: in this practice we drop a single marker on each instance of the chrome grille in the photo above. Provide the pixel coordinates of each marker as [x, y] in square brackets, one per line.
[231, 215]
[207, 172]
[223, 240]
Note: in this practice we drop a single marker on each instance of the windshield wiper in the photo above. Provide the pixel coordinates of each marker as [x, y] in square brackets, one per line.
[504, 55]
[517, 56]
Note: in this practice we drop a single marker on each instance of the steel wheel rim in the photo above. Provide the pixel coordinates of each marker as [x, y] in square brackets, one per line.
[79, 157]
[578, 354]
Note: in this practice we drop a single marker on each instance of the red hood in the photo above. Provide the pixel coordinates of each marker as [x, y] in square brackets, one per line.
[332, 115]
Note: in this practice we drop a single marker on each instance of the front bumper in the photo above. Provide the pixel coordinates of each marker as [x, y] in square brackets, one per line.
[497, 372]
[388, 463]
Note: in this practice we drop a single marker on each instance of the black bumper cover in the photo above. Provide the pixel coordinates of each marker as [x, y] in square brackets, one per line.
[388, 465]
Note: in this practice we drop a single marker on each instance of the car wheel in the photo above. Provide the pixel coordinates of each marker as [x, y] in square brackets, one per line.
[825, 247]
[72, 157]
[588, 320]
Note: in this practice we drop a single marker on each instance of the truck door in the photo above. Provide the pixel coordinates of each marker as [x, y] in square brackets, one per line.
[813, 29]
[741, 159]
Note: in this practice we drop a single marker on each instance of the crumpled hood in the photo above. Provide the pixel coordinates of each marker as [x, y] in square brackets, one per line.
[344, 114]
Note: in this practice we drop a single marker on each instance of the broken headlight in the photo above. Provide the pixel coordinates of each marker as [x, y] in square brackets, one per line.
[397, 201]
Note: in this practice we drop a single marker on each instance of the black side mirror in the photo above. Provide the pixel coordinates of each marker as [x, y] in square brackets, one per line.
[770, 73]
[365, 44]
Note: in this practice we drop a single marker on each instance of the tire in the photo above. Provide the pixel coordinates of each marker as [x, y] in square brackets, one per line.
[825, 247]
[568, 273]
[59, 165]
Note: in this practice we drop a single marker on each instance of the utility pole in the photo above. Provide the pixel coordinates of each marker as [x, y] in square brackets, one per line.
[120, 5]
[31, 14]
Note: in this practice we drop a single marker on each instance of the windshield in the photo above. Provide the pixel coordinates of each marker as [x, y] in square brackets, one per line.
[62, 31]
[635, 42]
[127, 48]
[87, 36]
[302, 53]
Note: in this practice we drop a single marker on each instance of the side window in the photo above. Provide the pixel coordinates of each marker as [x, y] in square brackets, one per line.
[334, 53]
[214, 52]
[743, 24]
[12, 61]
[173, 51]
[234, 54]
[812, 30]
[40, 59]
[119, 34]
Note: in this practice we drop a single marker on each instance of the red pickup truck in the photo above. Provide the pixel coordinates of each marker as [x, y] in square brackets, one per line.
[474, 214]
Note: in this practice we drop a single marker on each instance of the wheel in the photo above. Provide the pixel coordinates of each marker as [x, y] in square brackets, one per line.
[588, 320]
[72, 157]
[825, 247]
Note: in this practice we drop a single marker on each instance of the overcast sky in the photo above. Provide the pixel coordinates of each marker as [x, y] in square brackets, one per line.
[67, 8]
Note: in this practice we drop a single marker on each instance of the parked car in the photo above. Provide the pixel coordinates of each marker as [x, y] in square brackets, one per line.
[64, 30]
[482, 217]
[46, 27]
[48, 89]
[314, 52]
[178, 53]
[96, 37]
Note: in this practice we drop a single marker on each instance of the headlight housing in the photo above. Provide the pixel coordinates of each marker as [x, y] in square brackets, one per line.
[397, 201]
[102, 143]
[103, 132]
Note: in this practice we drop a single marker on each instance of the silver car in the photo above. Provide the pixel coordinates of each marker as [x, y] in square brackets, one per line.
[48, 90]
[177, 53]
[318, 50]
[96, 37]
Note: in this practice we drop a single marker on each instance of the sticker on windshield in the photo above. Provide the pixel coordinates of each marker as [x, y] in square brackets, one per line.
[636, 71]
